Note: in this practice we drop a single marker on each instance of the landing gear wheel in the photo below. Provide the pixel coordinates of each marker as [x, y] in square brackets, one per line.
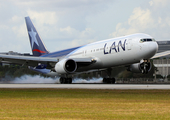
[112, 80]
[65, 80]
[69, 80]
[145, 68]
[109, 80]
[62, 80]
[104, 80]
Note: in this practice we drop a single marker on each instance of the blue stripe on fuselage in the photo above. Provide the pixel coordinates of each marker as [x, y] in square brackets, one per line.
[60, 53]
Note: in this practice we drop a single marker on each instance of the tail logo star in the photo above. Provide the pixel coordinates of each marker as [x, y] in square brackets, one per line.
[33, 37]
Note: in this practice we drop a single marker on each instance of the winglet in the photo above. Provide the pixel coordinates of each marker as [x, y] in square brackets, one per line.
[38, 48]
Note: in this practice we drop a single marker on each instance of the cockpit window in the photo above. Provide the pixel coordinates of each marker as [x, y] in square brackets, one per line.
[154, 40]
[146, 40]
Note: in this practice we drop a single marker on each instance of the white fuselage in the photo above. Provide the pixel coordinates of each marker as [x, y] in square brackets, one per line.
[118, 51]
[121, 51]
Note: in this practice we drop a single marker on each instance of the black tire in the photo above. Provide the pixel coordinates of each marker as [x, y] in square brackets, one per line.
[104, 80]
[69, 80]
[112, 80]
[109, 80]
[65, 80]
[61, 80]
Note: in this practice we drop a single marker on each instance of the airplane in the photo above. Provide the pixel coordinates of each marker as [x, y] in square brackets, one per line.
[131, 51]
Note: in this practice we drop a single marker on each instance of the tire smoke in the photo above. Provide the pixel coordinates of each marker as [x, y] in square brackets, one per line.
[27, 79]
[34, 79]
[93, 80]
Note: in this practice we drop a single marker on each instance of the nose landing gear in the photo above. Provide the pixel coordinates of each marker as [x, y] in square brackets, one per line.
[145, 66]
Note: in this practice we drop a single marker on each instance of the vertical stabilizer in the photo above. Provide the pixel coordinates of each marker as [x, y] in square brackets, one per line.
[37, 46]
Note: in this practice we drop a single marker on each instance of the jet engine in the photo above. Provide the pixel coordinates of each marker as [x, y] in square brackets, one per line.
[144, 67]
[66, 66]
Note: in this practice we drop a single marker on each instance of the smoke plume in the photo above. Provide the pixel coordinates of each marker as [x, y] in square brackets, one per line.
[28, 79]
[34, 79]
[93, 80]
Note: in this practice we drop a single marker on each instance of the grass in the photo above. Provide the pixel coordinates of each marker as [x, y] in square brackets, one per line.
[75, 104]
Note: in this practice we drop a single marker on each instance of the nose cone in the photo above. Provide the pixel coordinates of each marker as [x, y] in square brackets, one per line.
[153, 48]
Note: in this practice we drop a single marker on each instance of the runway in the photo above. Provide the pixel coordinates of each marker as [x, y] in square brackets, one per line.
[89, 86]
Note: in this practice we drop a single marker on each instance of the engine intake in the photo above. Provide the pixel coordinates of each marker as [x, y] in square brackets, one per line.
[144, 67]
[70, 66]
[66, 66]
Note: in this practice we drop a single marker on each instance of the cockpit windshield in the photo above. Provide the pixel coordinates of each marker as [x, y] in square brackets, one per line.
[146, 40]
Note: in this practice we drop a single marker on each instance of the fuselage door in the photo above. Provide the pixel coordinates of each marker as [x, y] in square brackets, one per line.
[129, 44]
[84, 52]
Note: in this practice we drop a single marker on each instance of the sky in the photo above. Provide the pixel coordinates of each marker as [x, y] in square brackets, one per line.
[68, 23]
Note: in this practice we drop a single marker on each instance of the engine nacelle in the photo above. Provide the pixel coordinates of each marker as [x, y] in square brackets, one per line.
[66, 66]
[140, 67]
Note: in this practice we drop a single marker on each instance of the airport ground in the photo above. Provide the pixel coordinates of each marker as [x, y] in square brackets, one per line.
[74, 104]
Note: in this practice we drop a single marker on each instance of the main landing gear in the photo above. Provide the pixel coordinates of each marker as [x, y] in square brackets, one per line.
[69, 80]
[65, 80]
[109, 80]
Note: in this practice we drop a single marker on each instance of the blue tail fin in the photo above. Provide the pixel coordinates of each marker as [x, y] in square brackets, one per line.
[38, 48]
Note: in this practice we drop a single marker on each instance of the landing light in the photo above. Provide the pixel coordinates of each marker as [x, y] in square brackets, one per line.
[93, 60]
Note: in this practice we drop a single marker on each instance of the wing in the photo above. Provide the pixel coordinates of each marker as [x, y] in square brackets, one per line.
[35, 61]
[157, 55]
[27, 60]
